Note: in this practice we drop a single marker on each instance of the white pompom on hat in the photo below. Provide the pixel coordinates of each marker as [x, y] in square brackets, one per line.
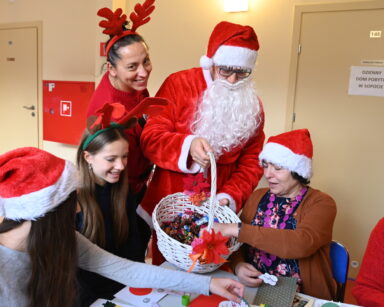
[33, 182]
[291, 150]
[231, 44]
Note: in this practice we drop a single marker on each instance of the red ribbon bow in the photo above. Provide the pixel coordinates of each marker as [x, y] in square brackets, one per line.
[209, 248]
[117, 113]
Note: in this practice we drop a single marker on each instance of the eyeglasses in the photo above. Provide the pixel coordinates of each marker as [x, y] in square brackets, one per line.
[226, 72]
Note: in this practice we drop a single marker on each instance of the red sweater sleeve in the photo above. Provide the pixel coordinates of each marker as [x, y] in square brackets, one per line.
[164, 134]
[369, 289]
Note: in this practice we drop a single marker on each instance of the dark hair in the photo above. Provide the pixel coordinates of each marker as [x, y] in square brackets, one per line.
[93, 222]
[53, 252]
[302, 180]
[113, 54]
[7, 224]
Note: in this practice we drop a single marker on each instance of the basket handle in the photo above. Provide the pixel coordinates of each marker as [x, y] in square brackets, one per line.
[212, 199]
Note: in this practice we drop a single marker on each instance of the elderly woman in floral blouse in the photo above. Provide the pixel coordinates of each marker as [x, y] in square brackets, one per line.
[287, 227]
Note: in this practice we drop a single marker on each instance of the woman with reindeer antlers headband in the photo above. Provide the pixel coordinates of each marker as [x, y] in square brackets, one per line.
[128, 70]
[108, 217]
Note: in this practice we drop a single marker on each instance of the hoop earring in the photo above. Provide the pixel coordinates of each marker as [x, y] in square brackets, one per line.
[90, 166]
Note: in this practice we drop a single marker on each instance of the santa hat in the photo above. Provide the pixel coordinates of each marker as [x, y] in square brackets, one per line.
[291, 150]
[231, 45]
[33, 182]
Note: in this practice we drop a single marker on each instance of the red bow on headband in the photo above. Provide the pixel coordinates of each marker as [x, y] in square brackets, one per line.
[116, 112]
[209, 248]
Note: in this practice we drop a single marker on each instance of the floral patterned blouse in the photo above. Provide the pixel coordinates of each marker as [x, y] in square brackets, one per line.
[263, 261]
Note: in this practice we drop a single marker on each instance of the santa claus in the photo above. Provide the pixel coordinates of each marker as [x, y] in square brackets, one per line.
[213, 108]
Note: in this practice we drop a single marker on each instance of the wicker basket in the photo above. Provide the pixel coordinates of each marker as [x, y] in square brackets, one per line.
[170, 206]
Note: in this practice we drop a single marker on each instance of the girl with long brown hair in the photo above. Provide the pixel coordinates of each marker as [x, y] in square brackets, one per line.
[39, 248]
[108, 214]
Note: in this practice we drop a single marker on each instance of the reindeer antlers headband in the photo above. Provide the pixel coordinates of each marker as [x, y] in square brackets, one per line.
[115, 21]
[123, 119]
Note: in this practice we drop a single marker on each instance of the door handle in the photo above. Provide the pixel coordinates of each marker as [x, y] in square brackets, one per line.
[29, 108]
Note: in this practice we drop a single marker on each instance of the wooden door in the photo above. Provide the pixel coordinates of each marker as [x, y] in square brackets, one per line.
[18, 88]
[347, 131]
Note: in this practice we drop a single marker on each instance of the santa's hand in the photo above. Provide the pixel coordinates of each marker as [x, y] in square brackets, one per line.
[248, 275]
[198, 151]
[228, 288]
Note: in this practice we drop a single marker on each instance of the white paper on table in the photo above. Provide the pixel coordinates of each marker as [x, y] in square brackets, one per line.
[174, 292]
[320, 302]
[149, 297]
[101, 301]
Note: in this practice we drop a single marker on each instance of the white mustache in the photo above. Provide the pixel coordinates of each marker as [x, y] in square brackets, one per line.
[233, 86]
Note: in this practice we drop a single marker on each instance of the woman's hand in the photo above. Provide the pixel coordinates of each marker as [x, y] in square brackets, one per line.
[228, 230]
[198, 151]
[228, 288]
[248, 274]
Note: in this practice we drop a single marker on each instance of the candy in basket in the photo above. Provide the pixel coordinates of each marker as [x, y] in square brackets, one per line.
[186, 256]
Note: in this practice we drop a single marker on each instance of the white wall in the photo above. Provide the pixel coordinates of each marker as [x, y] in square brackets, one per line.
[70, 42]
[177, 35]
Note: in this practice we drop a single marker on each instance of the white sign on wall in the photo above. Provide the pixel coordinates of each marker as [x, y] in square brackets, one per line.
[366, 81]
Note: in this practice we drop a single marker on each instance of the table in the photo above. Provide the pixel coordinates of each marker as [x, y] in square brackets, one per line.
[173, 300]
[249, 293]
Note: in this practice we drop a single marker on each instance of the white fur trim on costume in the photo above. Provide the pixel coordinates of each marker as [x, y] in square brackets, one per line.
[232, 203]
[206, 62]
[182, 163]
[144, 215]
[33, 205]
[207, 78]
[286, 158]
[235, 56]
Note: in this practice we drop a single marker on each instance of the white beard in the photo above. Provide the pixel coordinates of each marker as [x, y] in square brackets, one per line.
[228, 115]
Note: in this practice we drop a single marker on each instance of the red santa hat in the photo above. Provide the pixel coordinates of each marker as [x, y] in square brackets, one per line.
[231, 45]
[291, 150]
[33, 182]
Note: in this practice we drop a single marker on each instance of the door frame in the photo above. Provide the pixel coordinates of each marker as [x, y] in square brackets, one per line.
[38, 25]
[299, 10]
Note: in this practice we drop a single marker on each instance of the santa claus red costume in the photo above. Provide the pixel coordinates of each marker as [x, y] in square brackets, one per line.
[229, 116]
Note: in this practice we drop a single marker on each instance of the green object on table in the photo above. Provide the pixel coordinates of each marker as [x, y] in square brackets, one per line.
[244, 300]
[185, 299]
[330, 304]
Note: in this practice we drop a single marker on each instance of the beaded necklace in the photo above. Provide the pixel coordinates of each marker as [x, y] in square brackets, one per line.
[288, 211]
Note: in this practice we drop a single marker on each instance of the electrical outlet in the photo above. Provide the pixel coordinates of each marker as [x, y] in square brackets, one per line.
[355, 264]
